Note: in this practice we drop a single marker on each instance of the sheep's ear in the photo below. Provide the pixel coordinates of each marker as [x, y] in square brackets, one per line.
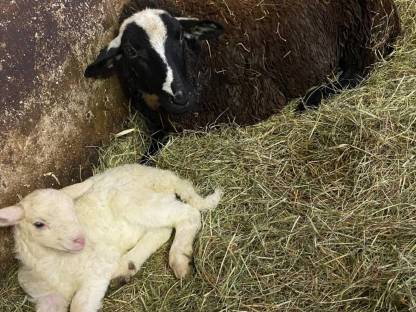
[11, 215]
[104, 64]
[200, 29]
[79, 189]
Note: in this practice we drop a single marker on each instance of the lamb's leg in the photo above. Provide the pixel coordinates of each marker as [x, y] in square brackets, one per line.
[51, 303]
[89, 296]
[132, 261]
[180, 254]
[186, 220]
[47, 300]
[169, 182]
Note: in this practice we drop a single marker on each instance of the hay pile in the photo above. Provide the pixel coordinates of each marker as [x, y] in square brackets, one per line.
[319, 212]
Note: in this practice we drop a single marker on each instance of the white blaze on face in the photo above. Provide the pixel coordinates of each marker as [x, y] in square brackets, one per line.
[151, 22]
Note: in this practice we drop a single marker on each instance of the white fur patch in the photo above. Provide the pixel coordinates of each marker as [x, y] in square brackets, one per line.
[151, 22]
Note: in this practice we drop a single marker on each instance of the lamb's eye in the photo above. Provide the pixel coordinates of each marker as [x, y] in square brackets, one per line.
[39, 225]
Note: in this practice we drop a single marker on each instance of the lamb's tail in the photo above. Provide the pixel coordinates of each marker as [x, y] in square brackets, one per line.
[186, 191]
[169, 182]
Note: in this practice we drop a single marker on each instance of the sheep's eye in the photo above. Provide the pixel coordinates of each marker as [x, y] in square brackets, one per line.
[131, 52]
[39, 225]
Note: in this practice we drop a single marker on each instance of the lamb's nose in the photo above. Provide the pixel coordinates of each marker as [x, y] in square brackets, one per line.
[80, 241]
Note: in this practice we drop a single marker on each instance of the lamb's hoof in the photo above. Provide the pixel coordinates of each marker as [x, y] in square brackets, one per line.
[124, 277]
[181, 264]
[120, 281]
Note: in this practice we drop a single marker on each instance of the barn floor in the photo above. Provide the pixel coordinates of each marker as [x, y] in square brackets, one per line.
[319, 212]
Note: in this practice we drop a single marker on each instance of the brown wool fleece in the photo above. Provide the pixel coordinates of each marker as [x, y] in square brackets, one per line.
[275, 51]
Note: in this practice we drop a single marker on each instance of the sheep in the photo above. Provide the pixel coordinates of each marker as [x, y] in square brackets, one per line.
[72, 242]
[269, 53]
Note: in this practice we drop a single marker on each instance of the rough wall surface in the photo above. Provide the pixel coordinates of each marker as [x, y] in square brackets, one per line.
[50, 116]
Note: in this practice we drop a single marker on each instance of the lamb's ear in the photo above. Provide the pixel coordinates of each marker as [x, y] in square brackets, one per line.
[200, 29]
[104, 64]
[11, 215]
[79, 189]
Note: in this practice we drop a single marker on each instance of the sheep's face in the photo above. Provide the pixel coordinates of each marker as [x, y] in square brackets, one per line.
[48, 218]
[150, 54]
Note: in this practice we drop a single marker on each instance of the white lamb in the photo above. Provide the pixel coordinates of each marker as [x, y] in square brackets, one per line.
[72, 242]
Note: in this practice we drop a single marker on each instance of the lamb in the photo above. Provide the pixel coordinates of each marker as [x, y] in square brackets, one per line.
[72, 242]
[270, 52]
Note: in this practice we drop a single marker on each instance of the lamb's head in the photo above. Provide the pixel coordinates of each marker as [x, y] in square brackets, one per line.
[150, 54]
[47, 217]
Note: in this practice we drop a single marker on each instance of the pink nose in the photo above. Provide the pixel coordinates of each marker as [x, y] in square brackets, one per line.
[80, 241]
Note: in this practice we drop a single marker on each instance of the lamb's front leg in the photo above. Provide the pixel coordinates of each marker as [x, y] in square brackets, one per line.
[51, 303]
[131, 262]
[46, 298]
[89, 296]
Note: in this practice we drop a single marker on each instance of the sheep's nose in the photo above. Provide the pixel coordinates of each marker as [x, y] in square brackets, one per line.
[180, 98]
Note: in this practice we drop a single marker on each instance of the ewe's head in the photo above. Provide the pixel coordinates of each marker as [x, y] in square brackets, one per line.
[47, 217]
[150, 54]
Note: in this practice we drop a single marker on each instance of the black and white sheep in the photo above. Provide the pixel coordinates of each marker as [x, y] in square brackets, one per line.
[270, 52]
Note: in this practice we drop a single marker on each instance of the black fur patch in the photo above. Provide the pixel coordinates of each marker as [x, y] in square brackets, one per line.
[174, 49]
[147, 71]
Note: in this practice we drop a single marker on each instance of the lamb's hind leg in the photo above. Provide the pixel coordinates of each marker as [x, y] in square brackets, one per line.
[187, 222]
[180, 254]
[185, 219]
[131, 262]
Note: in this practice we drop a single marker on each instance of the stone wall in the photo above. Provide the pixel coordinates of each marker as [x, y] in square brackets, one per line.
[51, 118]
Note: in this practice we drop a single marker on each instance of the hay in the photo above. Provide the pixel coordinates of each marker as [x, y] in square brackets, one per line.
[319, 212]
